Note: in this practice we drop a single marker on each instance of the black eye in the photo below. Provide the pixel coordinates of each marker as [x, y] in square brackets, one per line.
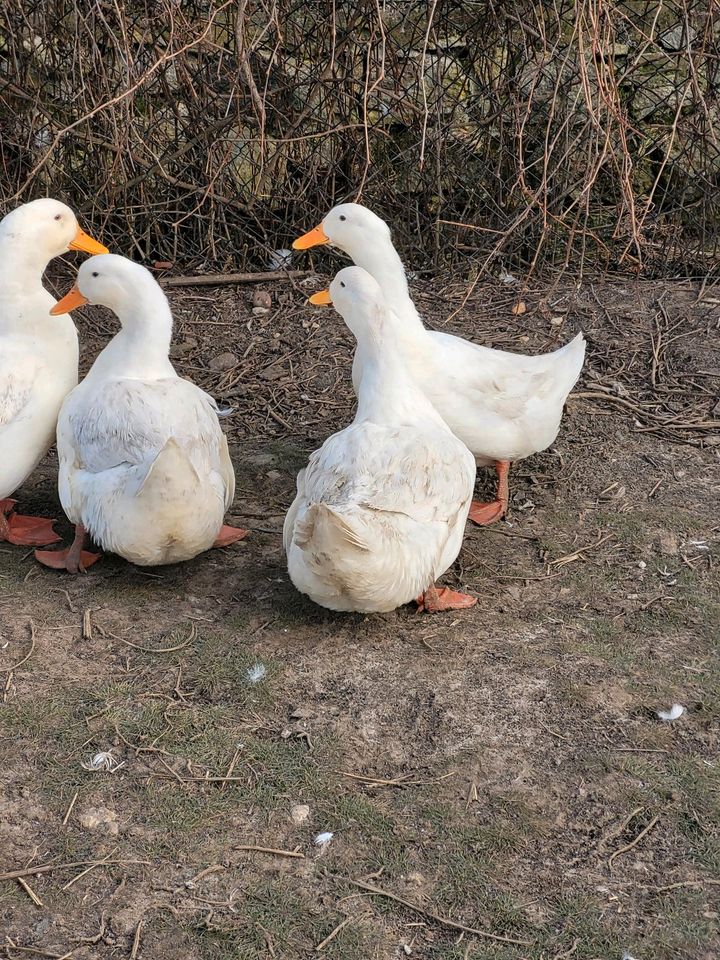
[59, 216]
[342, 284]
[95, 273]
[343, 217]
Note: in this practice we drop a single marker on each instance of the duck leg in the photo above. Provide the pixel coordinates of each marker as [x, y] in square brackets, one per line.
[486, 513]
[25, 531]
[229, 535]
[437, 601]
[73, 559]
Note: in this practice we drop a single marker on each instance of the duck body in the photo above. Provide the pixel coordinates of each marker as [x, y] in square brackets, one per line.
[503, 406]
[369, 530]
[38, 352]
[381, 507]
[38, 368]
[144, 465]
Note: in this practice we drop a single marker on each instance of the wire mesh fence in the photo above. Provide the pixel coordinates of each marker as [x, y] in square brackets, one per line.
[575, 135]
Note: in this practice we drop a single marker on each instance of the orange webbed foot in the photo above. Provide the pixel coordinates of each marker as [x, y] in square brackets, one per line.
[229, 535]
[486, 513]
[439, 600]
[67, 559]
[73, 559]
[25, 531]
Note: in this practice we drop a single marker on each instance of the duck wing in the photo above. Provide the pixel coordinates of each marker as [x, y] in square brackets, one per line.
[20, 373]
[427, 475]
[130, 421]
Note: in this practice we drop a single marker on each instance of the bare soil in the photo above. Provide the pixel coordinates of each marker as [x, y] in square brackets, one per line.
[502, 770]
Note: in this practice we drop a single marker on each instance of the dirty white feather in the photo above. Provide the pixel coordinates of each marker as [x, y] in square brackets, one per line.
[103, 761]
[256, 673]
[674, 713]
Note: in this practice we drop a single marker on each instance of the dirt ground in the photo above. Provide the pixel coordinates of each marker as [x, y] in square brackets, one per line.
[502, 770]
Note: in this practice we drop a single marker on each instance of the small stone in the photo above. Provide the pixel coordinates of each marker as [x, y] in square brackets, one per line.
[299, 813]
[100, 819]
[669, 545]
[261, 298]
[223, 361]
[676, 38]
[260, 459]
[182, 349]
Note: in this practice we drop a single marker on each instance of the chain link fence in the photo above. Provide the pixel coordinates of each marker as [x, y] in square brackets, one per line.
[579, 136]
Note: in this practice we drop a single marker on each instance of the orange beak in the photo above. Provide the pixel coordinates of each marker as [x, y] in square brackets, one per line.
[71, 301]
[82, 241]
[312, 239]
[321, 299]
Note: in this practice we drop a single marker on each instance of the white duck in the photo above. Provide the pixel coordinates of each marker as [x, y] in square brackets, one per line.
[381, 507]
[503, 406]
[144, 465]
[38, 353]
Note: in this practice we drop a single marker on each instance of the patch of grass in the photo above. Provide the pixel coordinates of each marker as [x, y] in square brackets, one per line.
[689, 793]
[581, 920]
[378, 838]
[606, 639]
[466, 857]
[220, 670]
[281, 915]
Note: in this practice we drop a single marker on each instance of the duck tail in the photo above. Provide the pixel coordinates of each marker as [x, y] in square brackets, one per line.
[327, 530]
[170, 468]
[570, 359]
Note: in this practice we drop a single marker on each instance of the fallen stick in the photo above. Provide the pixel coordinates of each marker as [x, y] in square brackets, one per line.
[686, 883]
[219, 279]
[633, 843]
[278, 853]
[48, 867]
[136, 940]
[331, 936]
[438, 918]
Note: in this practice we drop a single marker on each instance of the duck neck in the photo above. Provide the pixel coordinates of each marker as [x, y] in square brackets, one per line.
[381, 260]
[25, 306]
[140, 349]
[21, 271]
[386, 392]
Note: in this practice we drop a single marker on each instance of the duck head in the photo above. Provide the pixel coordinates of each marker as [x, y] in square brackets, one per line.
[350, 227]
[112, 281]
[43, 229]
[358, 299]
